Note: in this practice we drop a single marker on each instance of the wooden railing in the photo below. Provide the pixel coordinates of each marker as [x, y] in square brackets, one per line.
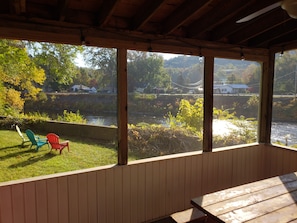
[140, 191]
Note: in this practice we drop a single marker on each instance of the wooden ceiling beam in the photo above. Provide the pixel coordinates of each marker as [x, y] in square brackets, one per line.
[182, 15]
[259, 26]
[286, 42]
[222, 12]
[105, 12]
[281, 30]
[145, 13]
[230, 26]
[120, 39]
[62, 9]
[17, 6]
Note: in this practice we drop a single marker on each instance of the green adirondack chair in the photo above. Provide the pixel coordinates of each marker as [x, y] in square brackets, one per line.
[35, 140]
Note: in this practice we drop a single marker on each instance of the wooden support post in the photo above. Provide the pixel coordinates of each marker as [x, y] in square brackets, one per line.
[122, 107]
[208, 103]
[266, 99]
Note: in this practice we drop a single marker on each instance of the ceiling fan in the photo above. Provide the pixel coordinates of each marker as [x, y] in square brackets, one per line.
[290, 6]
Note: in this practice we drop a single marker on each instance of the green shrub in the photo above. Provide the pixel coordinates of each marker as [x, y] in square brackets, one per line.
[146, 140]
[72, 117]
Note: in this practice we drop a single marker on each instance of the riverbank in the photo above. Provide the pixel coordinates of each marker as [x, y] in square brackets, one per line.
[158, 105]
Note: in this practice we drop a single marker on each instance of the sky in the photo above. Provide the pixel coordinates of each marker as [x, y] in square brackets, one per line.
[80, 62]
[168, 56]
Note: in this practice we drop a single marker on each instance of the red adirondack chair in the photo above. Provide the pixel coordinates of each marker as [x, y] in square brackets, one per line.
[53, 140]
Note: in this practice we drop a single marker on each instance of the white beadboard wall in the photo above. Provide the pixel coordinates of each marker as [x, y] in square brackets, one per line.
[141, 191]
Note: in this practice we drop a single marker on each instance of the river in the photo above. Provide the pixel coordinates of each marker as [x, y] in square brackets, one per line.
[280, 131]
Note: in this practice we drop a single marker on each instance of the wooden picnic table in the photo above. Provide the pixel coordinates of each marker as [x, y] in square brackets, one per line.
[270, 200]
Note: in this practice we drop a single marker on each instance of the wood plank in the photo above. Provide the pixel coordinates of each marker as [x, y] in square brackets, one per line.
[286, 214]
[276, 166]
[118, 194]
[6, 214]
[41, 201]
[156, 182]
[260, 208]
[252, 201]
[82, 182]
[237, 167]
[214, 186]
[134, 193]
[52, 199]
[63, 199]
[110, 196]
[225, 169]
[127, 194]
[250, 198]
[73, 199]
[175, 185]
[256, 166]
[197, 176]
[149, 191]
[181, 185]
[189, 215]
[141, 193]
[30, 202]
[210, 173]
[18, 203]
[219, 196]
[188, 179]
[162, 197]
[92, 196]
[146, 12]
[169, 190]
[101, 196]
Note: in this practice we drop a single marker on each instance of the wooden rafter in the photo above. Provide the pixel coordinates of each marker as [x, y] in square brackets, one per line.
[146, 12]
[206, 23]
[17, 6]
[181, 15]
[105, 12]
[62, 9]
[229, 27]
[213, 21]
[273, 34]
[260, 26]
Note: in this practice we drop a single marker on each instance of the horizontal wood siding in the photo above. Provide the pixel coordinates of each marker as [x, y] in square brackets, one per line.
[141, 191]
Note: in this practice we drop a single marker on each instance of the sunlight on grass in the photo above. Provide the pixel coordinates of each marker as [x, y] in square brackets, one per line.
[18, 163]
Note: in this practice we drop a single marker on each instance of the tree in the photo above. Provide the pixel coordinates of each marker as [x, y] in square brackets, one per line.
[143, 68]
[89, 77]
[105, 60]
[58, 62]
[251, 76]
[20, 78]
[285, 73]
[146, 69]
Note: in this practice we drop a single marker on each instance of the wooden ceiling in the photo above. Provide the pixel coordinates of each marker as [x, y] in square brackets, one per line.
[192, 23]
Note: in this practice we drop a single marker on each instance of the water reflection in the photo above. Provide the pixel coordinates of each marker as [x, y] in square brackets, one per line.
[112, 120]
[280, 131]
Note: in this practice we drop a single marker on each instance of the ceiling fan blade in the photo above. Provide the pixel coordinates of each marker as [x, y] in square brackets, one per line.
[258, 13]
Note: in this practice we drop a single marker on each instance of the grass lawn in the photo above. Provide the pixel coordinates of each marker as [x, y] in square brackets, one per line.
[18, 163]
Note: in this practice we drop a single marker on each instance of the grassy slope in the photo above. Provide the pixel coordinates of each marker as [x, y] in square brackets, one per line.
[18, 163]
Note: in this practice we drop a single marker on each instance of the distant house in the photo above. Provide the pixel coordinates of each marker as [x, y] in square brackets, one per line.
[230, 88]
[93, 90]
[80, 87]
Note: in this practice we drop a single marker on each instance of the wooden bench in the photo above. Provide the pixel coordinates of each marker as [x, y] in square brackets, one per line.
[192, 215]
